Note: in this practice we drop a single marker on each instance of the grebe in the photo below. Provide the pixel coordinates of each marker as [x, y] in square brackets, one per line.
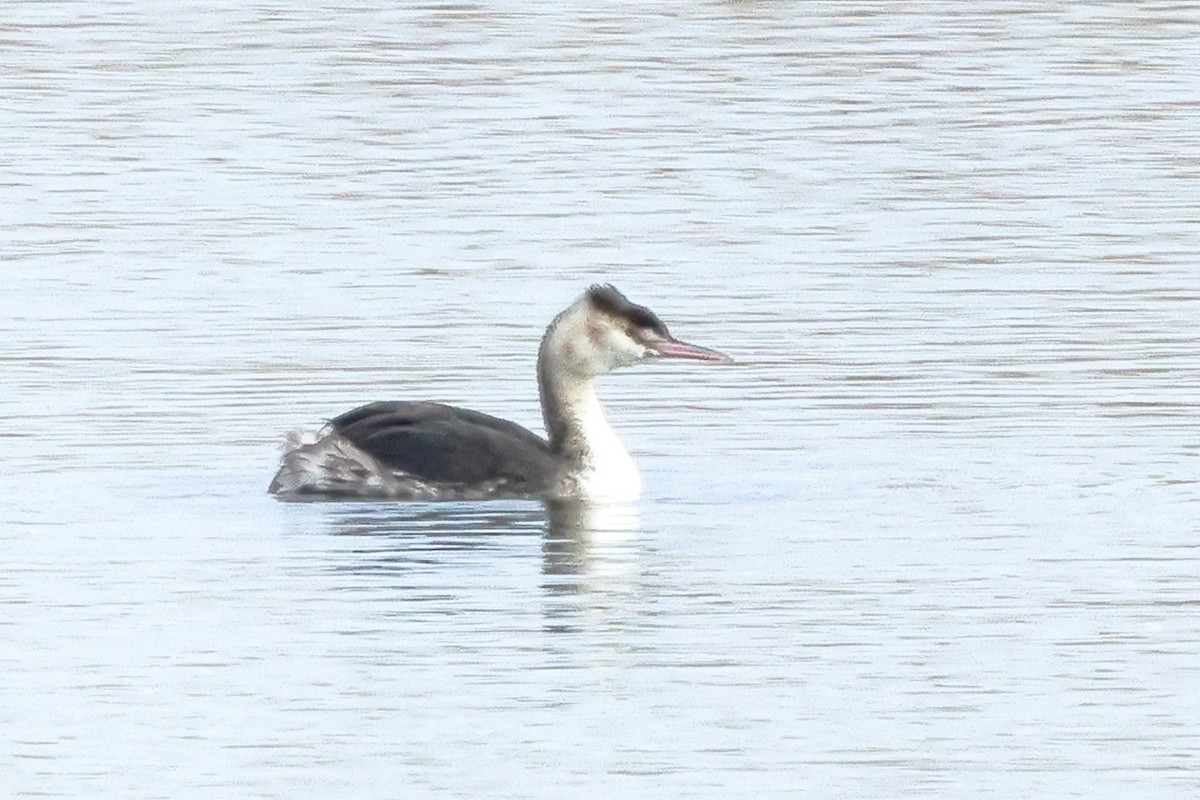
[430, 451]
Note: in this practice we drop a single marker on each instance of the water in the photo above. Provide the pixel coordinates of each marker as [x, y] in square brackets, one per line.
[934, 535]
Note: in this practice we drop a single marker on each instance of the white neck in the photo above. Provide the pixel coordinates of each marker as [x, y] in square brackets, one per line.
[597, 465]
[578, 346]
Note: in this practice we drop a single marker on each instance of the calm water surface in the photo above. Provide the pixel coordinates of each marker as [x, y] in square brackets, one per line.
[935, 535]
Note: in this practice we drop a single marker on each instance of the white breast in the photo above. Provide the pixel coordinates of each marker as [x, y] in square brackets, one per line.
[611, 475]
[606, 471]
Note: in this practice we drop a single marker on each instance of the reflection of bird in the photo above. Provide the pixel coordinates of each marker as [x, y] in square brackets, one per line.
[429, 451]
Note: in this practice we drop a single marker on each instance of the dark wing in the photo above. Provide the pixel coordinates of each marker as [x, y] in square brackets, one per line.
[443, 444]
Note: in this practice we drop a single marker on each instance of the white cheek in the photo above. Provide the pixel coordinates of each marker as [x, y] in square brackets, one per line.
[624, 351]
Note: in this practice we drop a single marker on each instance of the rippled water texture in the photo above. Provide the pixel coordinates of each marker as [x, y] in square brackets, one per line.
[934, 535]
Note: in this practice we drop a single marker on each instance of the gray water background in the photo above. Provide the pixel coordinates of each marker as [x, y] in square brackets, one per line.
[934, 535]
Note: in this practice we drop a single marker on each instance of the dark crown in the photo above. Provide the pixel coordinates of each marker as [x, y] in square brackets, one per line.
[606, 298]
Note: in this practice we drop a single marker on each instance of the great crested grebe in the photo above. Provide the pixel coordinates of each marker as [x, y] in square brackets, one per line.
[429, 451]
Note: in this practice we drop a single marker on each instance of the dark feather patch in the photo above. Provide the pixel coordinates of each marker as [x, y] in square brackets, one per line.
[606, 298]
[451, 447]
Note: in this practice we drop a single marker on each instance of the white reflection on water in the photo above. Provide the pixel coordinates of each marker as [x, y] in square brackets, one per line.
[582, 545]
